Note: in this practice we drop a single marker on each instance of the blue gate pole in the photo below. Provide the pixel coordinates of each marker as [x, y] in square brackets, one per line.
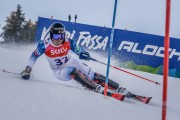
[110, 48]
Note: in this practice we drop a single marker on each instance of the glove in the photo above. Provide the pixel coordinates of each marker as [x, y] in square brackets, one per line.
[26, 73]
[84, 55]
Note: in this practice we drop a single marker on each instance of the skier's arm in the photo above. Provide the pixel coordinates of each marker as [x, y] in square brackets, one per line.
[34, 56]
[79, 51]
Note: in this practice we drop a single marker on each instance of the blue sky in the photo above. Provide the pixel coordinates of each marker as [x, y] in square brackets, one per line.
[146, 16]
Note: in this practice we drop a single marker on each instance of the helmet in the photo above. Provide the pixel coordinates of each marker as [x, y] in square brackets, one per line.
[57, 28]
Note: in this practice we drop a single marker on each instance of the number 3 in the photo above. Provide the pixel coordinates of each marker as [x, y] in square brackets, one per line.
[61, 61]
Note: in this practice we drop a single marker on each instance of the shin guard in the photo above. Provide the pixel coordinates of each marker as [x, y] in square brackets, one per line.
[100, 79]
[84, 80]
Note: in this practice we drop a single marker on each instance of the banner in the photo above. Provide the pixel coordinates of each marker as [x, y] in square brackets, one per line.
[132, 50]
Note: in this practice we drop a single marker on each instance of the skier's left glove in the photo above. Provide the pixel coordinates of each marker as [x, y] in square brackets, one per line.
[25, 74]
[84, 55]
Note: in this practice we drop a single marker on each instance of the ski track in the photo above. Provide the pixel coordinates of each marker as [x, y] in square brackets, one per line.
[46, 98]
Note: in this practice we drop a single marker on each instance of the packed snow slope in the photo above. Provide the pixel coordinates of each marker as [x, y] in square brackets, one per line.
[46, 98]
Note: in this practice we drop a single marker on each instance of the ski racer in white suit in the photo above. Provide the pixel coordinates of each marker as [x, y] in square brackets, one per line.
[60, 58]
[58, 50]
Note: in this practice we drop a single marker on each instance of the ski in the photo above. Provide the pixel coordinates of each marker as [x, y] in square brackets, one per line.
[117, 96]
[129, 95]
[143, 99]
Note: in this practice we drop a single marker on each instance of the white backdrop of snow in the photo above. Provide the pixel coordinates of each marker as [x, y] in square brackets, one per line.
[46, 98]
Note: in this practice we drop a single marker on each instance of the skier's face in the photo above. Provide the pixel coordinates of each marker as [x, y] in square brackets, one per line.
[57, 39]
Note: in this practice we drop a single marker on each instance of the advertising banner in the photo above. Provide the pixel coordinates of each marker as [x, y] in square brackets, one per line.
[132, 50]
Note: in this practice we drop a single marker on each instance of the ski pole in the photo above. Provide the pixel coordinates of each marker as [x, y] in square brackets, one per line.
[126, 71]
[10, 72]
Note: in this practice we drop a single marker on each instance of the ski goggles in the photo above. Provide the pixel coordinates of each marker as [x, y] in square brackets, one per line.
[60, 36]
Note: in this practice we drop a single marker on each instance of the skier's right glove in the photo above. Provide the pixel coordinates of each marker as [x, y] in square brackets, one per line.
[84, 55]
[25, 74]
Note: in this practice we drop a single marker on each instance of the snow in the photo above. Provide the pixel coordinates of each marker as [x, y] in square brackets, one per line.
[46, 98]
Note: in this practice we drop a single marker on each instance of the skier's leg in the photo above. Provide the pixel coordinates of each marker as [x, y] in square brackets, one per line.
[86, 76]
[86, 81]
[86, 70]
[76, 63]
[124, 91]
[112, 85]
[100, 79]
[64, 73]
[68, 73]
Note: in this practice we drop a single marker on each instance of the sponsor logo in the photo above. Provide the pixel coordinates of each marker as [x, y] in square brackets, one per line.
[45, 33]
[92, 42]
[151, 50]
[58, 51]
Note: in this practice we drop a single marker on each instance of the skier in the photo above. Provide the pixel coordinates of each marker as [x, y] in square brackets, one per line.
[59, 51]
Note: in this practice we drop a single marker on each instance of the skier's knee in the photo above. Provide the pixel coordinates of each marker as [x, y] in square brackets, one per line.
[83, 79]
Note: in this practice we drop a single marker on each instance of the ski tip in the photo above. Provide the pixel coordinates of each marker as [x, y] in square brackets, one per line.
[158, 83]
[148, 100]
[143, 99]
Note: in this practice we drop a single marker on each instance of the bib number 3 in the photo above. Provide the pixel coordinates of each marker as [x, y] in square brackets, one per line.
[61, 60]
